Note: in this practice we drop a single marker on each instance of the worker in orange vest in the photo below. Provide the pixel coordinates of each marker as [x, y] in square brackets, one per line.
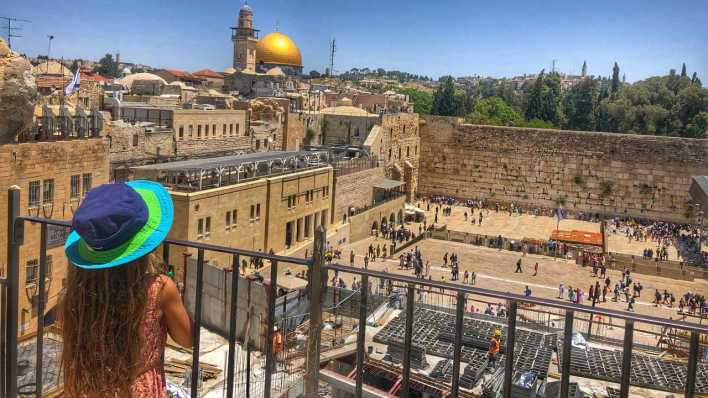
[494, 348]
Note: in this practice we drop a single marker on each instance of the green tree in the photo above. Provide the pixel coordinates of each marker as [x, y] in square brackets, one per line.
[494, 111]
[615, 78]
[107, 66]
[422, 100]
[444, 102]
[534, 102]
[580, 104]
[551, 99]
[314, 74]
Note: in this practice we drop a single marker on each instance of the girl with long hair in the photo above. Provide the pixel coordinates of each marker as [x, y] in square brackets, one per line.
[118, 305]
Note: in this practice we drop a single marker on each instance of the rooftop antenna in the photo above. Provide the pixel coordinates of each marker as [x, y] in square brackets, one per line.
[332, 50]
[12, 29]
[277, 25]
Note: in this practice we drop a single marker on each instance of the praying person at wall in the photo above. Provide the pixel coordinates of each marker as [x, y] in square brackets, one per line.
[118, 305]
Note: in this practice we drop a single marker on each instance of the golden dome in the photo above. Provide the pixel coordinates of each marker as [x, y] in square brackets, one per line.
[277, 48]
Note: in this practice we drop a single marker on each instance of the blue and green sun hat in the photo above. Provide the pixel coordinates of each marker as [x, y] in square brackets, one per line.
[119, 223]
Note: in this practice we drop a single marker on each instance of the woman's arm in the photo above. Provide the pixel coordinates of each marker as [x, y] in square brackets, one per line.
[179, 325]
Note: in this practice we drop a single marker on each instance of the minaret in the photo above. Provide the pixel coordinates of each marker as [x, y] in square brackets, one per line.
[245, 39]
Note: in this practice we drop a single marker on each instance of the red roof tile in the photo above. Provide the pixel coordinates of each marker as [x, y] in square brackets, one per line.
[208, 73]
[180, 74]
[56, 82]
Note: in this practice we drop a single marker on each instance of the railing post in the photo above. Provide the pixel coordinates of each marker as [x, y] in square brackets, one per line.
[567, 349]
[457, 356]
[12, 293]
[408, 341]
[313, 340]
[361, 337]
[692, 365]
[233, 310]
[626, 358]
[194, 393]
[40, 309]
[269, 349]
[509, 351]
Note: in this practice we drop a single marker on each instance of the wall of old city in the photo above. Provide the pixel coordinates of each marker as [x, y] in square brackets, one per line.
[51, 165]
[637, 175]
[354, 190]
[399, 142]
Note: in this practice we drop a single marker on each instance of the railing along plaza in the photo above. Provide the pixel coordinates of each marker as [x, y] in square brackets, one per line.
[317, 286]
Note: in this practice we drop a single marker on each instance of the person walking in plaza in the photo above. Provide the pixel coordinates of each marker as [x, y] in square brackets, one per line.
[351, 258]
[561, 290]
[466, 277]
[366, 262]
[535, 269]
[118, 306]
[518, 267]
[473, 278]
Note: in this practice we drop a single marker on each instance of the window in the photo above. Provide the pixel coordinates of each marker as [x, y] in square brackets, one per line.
[213, 130]
[135, 140]
[234, 218]
[389, 153]
[181, 133]
[258, 211]
[325, 192]
[191, 130]
[86, 183]
[231, 129]
[199, 131]
[206, 131]
[223, 130]
[258, 144]
[399, 152]
[230, 219]
[415, 150]
[48, 191]
[237, 128]
[253, 212]
[34, 193]
[49, 266]
[408, 151]
[32, 271]
[227, 222]
[207, 227]
[200, 228]
[74, 186]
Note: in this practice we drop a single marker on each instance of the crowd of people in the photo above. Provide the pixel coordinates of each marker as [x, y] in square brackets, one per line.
[661, 237]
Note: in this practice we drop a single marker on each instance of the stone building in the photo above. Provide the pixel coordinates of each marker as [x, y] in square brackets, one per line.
[196, 131]
[346, 124]
[260, 201]
[53, 177]
[607, 173]
[174, 75]
[210, 79]
[396, 142]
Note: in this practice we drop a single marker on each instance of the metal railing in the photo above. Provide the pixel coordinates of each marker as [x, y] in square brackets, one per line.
[317, 286]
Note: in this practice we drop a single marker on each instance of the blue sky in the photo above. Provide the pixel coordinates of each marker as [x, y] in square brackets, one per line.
[458, 37]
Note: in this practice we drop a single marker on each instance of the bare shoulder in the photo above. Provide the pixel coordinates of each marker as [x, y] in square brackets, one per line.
[169, 289]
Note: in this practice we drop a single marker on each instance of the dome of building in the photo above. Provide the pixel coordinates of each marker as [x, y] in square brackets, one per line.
[277, 48]
[229, 70]
[51, 68]
[129, 79]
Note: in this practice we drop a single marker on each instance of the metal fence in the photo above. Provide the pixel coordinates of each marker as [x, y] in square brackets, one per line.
[514, 304]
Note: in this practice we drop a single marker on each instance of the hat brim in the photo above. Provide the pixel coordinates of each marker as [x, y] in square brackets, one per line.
[147, 239]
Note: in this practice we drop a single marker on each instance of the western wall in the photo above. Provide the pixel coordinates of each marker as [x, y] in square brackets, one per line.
[623, 174]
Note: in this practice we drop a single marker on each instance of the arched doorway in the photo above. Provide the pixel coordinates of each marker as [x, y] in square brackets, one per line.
[392, 219]
[400, 217]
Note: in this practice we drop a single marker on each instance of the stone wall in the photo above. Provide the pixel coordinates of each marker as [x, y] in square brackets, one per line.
[400, 144]
[362, 223]
[51, 165]
[354, 190]
[637, 175]
[294, 137]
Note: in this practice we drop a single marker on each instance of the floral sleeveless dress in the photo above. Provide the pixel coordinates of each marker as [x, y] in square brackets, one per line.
[151, 382]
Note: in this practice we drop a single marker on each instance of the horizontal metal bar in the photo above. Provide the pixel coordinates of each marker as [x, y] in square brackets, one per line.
[520, 298]
[196, 245]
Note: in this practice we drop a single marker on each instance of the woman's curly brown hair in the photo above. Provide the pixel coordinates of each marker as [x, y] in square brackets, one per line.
[101, 315]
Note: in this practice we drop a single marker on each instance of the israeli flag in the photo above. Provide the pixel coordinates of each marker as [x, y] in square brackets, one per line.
[74, 84]
[560, 214]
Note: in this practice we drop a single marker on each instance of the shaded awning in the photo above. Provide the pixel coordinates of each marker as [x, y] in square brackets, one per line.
[580, 237]
[388, 184]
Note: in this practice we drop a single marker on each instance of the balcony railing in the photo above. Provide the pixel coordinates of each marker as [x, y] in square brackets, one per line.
[318, 275]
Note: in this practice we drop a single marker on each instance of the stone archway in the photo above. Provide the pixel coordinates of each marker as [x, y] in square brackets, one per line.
[392, 219]
[374, 227]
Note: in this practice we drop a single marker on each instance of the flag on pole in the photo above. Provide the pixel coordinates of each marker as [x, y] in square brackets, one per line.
[74, 84]
[560, 214]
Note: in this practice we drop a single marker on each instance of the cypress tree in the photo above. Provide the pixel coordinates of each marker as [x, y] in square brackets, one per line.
[683, 70]
[615, 78]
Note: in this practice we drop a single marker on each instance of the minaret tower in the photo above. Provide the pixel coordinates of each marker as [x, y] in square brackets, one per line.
[245, 39]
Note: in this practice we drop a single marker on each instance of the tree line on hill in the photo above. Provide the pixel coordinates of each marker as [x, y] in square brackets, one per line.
[674, 104]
